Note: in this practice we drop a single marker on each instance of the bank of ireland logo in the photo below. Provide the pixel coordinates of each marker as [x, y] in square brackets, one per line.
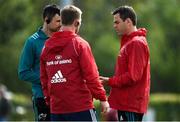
[58, 77]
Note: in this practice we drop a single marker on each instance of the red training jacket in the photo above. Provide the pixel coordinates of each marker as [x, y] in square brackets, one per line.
[69, 75]
[131, 82]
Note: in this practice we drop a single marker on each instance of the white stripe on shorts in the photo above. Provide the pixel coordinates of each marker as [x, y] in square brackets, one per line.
[93, 116]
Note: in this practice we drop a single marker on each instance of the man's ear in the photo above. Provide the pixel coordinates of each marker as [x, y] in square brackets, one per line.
[128, 21]
[76, 23]
[47, 20]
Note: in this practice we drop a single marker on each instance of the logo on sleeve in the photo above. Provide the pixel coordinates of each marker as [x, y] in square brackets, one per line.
[58, 78]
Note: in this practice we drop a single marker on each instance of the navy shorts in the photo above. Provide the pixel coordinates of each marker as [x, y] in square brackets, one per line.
[87, 115]
[129, 116]
[41, 110]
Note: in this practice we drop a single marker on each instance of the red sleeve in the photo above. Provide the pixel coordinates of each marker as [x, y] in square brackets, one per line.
[44, 77]
[90, 72]
[137, 60]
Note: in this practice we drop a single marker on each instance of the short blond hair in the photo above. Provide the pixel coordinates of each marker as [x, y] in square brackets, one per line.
[69, 13]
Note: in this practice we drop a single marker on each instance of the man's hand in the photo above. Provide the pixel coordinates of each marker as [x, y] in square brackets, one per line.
[104, 80]
[105, 107]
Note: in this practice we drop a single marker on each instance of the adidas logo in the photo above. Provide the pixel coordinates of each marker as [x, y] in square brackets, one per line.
[58, 78]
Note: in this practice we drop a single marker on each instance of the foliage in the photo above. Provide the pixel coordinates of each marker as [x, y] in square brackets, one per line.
[11, 24]
[22, 109]
[161, 18]
[166, 106]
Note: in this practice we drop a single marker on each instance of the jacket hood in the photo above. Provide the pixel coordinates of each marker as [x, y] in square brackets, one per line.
[59, 39]
[139, 32]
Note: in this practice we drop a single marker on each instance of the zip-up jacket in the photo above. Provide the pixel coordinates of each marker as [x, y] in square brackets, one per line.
[69, 75]
[29, 64]
[131, 82]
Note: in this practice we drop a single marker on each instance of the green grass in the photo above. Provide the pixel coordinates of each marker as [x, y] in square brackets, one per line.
[165, 98]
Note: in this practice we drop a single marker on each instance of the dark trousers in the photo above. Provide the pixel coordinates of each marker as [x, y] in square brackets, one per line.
[41, 110]
[87, 115]
[129, 116]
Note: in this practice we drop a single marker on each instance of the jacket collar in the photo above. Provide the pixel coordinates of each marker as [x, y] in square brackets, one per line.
[126, 38]
[42, 34]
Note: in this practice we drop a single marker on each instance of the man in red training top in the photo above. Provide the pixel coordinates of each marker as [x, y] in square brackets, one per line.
[130, 86]
[69, 75]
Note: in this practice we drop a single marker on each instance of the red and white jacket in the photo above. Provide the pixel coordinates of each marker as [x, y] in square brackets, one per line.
[69, 75]
[130, 86]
